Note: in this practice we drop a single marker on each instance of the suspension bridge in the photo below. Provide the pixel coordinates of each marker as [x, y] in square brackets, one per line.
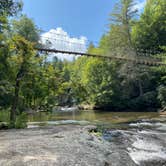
[139, 56]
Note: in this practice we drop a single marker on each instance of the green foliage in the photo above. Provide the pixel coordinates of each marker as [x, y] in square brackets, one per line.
[4, 116]
[121, 26]
[10, 7]
[29, 81]
[21, 121]
[26, 28]
[147, 100]
[162, 95]
[150, 30]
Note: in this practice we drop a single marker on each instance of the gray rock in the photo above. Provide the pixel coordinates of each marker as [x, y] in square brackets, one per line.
[68, 145]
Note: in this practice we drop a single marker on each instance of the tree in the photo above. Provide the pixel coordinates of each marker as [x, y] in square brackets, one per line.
[23, 54]
[120, 28]
[10, 7]
[150, 31]
[26, 28]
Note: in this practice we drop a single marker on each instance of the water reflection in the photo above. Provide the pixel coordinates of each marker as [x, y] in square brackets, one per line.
[92, 116]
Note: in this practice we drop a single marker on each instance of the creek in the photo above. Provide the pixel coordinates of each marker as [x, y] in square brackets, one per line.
[141, 134]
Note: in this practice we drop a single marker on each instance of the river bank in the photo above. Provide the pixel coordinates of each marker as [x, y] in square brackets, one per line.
[143, 143]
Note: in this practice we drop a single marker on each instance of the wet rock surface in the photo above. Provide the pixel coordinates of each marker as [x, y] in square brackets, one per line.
[145, 142]
[74, 145]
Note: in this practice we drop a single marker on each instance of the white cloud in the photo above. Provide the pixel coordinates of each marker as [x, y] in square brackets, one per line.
[61, 40]
[140, 5]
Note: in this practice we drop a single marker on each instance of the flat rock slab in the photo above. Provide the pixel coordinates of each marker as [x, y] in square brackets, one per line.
[68, 145]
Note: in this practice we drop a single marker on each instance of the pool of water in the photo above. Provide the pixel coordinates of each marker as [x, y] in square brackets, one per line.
[89, 117]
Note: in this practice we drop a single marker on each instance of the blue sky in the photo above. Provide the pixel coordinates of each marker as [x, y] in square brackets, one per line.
[77, 17]
[88, 18]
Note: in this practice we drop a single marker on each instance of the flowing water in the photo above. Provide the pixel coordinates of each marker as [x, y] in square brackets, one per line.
[141, 134]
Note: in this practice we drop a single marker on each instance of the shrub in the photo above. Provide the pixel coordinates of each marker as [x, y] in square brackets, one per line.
[21, 121]
[4, 116]
[147, 100]
[162, 95]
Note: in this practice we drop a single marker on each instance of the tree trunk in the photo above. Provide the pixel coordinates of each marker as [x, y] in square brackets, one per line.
[19, 76]
[140, 88]
[15, 102]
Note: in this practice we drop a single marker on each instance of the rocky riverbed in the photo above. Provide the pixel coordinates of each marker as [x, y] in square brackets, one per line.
[74, 145]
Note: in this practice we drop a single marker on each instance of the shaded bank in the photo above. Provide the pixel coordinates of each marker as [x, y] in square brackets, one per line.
[110, 108]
